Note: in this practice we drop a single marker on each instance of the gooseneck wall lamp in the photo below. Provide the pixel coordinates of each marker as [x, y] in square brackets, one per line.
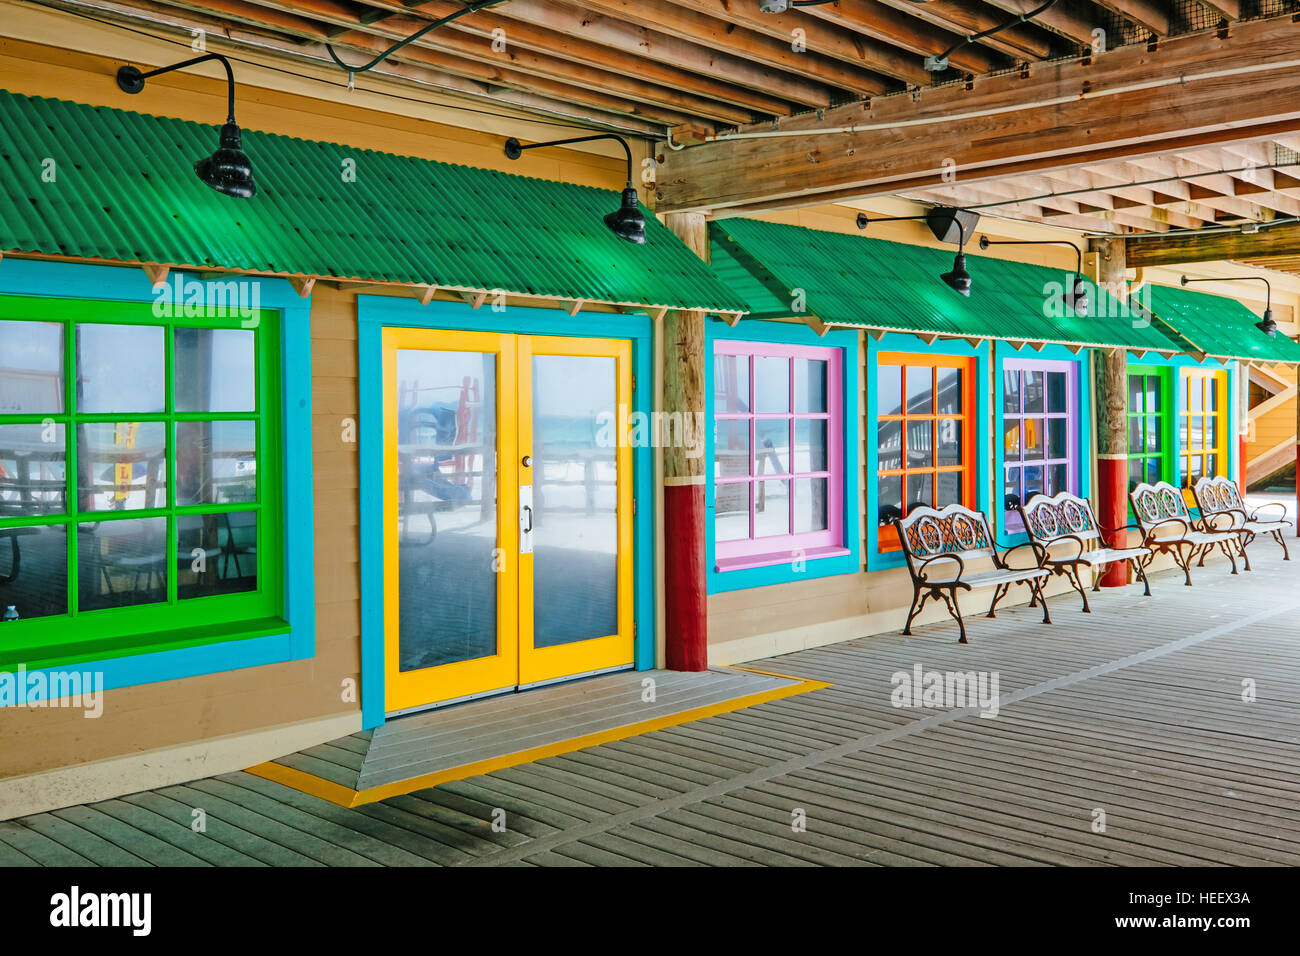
[941, 220]
[1266, 324]
[627, 221]
[1076, 297]
[227, 170]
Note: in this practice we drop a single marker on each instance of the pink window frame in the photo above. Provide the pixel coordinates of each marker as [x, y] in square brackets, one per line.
[1073, 478]
[749, 552]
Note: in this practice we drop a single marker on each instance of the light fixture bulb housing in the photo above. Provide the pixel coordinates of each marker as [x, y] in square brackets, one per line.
[627, 221]
[228, 170]
[773, 6]
[1077, 298]
[958, 279]
[1267, 325]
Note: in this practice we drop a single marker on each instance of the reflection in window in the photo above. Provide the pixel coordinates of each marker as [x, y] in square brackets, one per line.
[1146, 427]
[121, 563]
[216, 462]
[1036, 433]
[216, 553]
[31, 368]
[214, 370]
[120, 369]
[33, 469]
[33, 571]
[121, 466]
[922, 457]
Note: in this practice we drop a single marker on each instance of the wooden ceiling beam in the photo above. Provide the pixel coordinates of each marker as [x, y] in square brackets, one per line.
[964, 19]
[825, 38]
[1283, 240]
[1072, 19]
[1151, 14]
[984, 133]
[873, 19]
[543, 39]
[455, 48]
[774, 55]
[219, 30]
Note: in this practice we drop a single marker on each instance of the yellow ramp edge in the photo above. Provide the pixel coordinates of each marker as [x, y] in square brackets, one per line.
[347, 797]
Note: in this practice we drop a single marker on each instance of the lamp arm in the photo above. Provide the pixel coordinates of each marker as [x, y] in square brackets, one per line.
[230, 77]
[627, 150]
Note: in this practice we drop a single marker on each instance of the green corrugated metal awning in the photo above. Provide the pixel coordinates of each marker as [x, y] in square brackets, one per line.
[892, 286]
[124, 189]
[1218, 326]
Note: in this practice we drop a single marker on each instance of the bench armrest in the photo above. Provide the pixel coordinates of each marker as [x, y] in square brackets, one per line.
[1040, 554]
[1150, 533]
[920, 575]
[1079, 547]
[1254, 515]
[1235, 516]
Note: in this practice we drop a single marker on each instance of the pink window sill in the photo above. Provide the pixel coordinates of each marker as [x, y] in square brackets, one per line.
[778, 557]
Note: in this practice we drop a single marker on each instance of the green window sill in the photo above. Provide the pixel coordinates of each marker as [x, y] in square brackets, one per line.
[79, 652]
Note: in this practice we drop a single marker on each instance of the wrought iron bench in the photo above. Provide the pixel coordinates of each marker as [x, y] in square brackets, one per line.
[1219, 496]
[939, 544]
[1168, 528]
[1067, 518]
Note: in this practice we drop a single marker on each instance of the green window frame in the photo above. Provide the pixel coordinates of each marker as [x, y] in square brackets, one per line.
[1150, 424]
[188, 597]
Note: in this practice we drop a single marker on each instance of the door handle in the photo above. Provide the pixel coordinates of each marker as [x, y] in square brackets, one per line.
[525, 519]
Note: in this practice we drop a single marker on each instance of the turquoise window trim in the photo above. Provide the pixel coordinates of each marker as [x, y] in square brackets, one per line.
[1083, 423]
[789, 333]
[1176, 364]
[96, 283]
[374, 313]
[982, 453]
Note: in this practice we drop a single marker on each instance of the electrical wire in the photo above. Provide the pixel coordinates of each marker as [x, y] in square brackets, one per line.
[471, 8]
[1014, 21]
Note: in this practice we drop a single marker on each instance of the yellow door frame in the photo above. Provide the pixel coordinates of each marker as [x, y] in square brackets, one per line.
[612, 650]
[407, 689]
[516, 661]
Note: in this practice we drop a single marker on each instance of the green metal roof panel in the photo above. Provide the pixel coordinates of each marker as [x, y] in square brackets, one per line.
[1218, 326]
[874, 283]
[125, 190]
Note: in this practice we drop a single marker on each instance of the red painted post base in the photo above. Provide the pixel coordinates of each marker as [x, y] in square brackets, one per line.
[685, 595]
[1241, 462]
[1112, 512]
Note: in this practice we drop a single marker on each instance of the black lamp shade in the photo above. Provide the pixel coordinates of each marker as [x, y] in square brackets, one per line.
[1077, 299]
[1267, 325]
[228, 170]
[627, 221]
[959, 279]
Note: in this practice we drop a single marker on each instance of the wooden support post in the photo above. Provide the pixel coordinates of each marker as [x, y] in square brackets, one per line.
[1112, 416]
[1243, 421]
[686, 633]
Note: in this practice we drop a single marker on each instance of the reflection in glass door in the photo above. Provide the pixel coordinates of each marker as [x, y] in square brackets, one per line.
[576, 570]
[507, 512]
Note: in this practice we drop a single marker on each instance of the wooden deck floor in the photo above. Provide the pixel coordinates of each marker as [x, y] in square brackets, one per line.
[1135, 711]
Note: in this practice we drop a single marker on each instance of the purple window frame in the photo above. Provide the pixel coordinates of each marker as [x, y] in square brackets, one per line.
[1070, 415]
[759, 551]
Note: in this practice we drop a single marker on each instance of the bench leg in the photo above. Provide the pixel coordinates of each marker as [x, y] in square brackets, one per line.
[1281, 539]
[915, 609]
[1036, 585]
[1184, 561]
[1205, 551]
[1226, 548]
[1242, 541]
[1072, 575]
[950, 598]
[999, 592]
[1141, 569]
[1097, 574]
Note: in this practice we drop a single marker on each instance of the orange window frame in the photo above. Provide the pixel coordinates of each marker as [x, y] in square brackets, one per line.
[888, 535]
[1214, 423]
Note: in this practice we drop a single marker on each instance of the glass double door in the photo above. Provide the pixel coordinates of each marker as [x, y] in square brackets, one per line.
[507, 512]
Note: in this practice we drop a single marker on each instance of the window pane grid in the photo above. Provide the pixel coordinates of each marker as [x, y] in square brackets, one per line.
[125, 428]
